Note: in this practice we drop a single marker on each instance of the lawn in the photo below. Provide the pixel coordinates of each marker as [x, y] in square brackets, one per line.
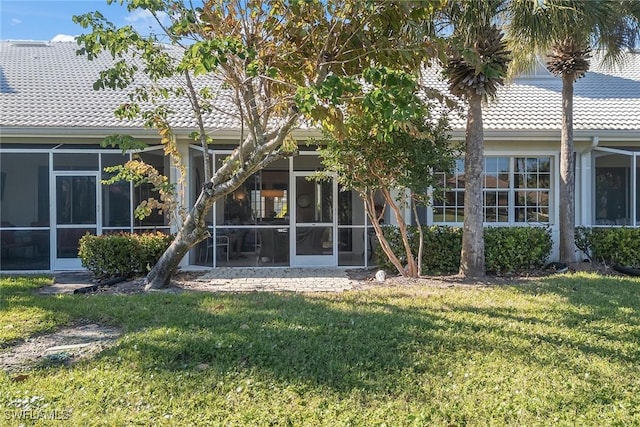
[563, 350]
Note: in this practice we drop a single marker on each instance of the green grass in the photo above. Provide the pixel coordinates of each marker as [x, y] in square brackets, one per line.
[560, 351]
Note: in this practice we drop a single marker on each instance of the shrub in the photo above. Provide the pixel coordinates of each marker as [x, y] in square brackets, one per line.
[122, 254]
[507, 249]
[619, 245]
[513, 249]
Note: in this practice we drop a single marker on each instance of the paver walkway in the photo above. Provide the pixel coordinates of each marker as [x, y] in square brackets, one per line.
[276, 280]
[237, 279]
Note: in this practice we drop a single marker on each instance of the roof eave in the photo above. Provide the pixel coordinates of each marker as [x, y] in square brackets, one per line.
[140, 132]
[553, 134]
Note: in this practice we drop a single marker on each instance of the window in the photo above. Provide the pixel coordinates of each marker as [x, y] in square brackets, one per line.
[156, 220]
[516, 190]
[116, 197]
[254, 220]
[448, 203]
[496, 189]
[532, 189]
[615, 188]
[24, 204]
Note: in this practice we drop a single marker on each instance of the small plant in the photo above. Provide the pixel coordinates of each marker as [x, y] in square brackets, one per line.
[122, 254]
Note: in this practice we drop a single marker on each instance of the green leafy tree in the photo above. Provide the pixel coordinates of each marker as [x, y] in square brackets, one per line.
[261, 54]
[475, 67]
[389, 145]
[566, 31]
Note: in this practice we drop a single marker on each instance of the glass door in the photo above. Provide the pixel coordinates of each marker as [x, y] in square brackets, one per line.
[76, 197]
[313, 238]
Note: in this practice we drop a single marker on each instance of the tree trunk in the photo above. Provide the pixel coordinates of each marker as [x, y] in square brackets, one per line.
[420, 236]
[410, 269]
[472, 255]
[193, 231]
[567, 176]
[384, 244]
[258, 152]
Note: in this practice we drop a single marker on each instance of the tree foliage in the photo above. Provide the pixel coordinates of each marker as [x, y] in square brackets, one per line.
[262, 56]
[566, 32]
[387, 148]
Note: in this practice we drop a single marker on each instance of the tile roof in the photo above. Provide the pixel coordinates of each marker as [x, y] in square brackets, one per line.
[47, 85]
[605, 99]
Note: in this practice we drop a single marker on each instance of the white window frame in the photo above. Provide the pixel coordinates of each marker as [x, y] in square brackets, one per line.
[511, 155]
[634, 164]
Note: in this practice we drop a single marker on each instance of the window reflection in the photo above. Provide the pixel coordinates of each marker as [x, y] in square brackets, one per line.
[76, 199]
[613, 189]
[262, 199]
[116, 197]
[142, 192]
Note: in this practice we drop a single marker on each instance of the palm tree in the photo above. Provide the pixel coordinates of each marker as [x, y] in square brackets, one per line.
[567, 31]
[475, 67]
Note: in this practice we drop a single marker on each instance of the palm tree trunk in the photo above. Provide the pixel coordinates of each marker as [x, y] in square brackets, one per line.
[567, 175]
[472, 255]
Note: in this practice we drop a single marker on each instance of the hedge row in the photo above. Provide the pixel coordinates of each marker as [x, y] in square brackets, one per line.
[507, 249]
[122, 254]
[620, 246]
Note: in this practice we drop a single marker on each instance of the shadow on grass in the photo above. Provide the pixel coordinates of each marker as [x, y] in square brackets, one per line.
[594, 299]
[366, 340]
[608, 307]
[560, 320]
[601, 293]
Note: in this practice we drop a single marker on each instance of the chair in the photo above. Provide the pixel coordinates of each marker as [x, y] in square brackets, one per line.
[267, 246]
[309, 242]
[273, 246]
[222, 244]
[17, 240]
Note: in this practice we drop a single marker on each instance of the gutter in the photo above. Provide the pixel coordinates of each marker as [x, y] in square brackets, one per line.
[139, 132]
[513, 135]
[457, 134]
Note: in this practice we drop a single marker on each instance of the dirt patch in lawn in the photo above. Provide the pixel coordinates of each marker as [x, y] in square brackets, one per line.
[65, 347]
[367, 276]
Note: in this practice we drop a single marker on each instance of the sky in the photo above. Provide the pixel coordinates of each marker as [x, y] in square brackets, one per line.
[50, 20]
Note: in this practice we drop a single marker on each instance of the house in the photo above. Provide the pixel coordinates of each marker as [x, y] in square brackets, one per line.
[52, 123]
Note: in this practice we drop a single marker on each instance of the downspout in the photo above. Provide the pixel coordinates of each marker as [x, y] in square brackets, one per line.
[586, 183]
